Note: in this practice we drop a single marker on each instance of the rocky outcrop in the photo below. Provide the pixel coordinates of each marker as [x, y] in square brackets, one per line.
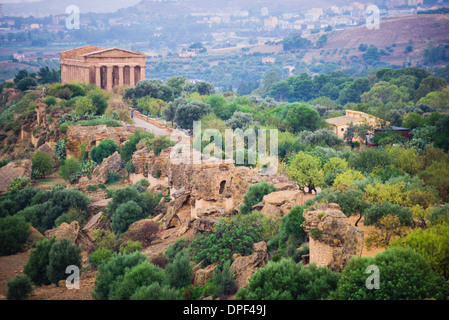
[35, 236]
[93, 135]
[73, 233]
[98, 221]
[201, 276]
[13, 170]
[279, 203]
[113, 163]
[244, 267]
[204, 224]
[10, 94]
[101, 205]
[332, 239]
[207, 188]
[82, 237]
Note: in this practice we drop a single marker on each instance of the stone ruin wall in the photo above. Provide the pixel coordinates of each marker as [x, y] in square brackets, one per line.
[333, 241]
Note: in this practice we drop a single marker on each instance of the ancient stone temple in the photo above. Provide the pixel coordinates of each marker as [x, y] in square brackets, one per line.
[105, 68]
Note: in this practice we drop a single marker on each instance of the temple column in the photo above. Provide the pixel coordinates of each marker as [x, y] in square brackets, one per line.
[142, 73]
[98, 76]
[132, 78]
[109, 78]
[121, 76]
[86, 75]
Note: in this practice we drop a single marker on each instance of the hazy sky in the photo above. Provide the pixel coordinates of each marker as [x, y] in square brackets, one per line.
[39, 8]
[12, 1]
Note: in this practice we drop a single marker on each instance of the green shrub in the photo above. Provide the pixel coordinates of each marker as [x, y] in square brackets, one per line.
[82, 154]
[100, 256]
[92, 187]
[43, 208]
[85, 106]
[99, 102]
[99, 121]
[255, 194]
[141, 185]
[379, 210]
[14, 232]
[404, 275]
[224, 278]
[104, 239]
[19, 288]
[125, 215]
[64, 126]
[61, 202]
[127, 149]
[368, 159]
[180, 271]
[270, 226]
[18, 184]
[432, 244]
[110, 274]
[50, 101]
[36, 267]
[42, 163]
[103, 150]
[287, 280]
[72, 214]
[156, 292]
[59, 150]
[157, 144]
[130, 167]
[113, 177]
[291, 234]
[26, 83]
[62, 254]
[68, 169]
[143, 274]
[175, 248]
[129, 205]
[130, 247]
[221, 245]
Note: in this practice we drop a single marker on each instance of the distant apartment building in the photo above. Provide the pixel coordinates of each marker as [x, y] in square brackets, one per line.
[397, 3]
[187, 54]
[270, 23]
[415, 2]
[314, 14]
[266, 60]
[19, 56]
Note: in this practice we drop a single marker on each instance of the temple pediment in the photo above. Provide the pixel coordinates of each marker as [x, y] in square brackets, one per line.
[113, 53]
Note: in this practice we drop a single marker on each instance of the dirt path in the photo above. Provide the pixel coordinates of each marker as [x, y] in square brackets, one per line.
[10, 266]
[150, 127]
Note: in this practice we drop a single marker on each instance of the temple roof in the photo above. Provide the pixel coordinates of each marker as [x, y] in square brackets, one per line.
[93, 51]
[78, 53]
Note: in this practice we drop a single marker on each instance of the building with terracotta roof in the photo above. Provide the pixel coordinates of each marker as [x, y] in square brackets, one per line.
[340, 124]
[106, 68]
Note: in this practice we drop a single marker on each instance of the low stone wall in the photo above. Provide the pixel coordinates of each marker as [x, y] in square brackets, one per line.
[152, 121]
